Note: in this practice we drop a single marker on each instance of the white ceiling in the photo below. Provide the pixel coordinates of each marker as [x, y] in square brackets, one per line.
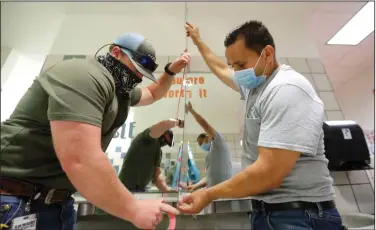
[85, 26]
[342, 63]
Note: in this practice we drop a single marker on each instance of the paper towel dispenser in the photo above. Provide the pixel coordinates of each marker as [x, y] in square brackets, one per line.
[345, 146]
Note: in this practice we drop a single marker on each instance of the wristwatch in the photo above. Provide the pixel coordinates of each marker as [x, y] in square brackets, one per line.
[167, 70]
[179, 121]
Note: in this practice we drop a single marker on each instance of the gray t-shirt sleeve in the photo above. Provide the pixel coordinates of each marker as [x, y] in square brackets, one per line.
[242, 90]
[218, 138]
[75, 94]
[291, 120]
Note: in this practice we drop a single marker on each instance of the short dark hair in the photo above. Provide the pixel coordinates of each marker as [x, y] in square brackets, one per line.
[256, 36]
[111, 47]
[202, 135]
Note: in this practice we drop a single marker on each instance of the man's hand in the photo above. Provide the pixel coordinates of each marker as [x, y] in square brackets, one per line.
[193, 32]
[156, 91]
[215, 64]
[149, 213]
[195, 202]
[180, 63]
[180, 123]
[189, 107]
[182, 185]
[191, 188]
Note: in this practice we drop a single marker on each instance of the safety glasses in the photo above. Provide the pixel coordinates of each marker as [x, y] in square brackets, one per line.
[144, 61]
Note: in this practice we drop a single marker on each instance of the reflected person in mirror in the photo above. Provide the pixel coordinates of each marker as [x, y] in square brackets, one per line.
[142, 161]
[285, 171]
[53, 144]
[218, 157]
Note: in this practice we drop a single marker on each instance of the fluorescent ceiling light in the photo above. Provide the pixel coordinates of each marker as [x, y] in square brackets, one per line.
[358, 28]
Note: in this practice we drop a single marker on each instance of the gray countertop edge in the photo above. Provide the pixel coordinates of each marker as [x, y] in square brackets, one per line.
[168, 198]
[216, 207]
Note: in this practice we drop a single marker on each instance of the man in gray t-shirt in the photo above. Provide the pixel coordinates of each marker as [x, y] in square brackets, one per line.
[285, 171]
[218, 158]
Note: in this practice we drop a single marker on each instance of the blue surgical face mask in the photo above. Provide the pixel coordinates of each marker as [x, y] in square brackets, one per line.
[205, 146]
[248, 78]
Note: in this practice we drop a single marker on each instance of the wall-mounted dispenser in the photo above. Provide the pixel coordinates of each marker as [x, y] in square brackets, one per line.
[345, 146]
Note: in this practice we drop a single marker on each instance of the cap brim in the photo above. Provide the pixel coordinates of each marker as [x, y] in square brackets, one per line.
[144, 72]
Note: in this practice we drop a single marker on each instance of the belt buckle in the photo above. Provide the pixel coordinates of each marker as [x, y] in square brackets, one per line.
[49, 196]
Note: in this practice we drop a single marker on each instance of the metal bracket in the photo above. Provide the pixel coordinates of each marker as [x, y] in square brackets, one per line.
[49, 196]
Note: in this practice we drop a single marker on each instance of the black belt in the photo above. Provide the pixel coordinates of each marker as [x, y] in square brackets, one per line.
[14, 187]
[295, 205]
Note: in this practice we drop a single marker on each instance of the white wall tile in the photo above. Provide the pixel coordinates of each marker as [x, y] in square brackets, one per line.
[237, 153]
[299, 64]
[315, 65]
[365, 198]
[372, 183]
[345, 199]
[370, 173]
[230, 137]
[329, 100]
[237, 144]
[339, 178]
[310, 79]
[231, 144]
[322, 82]
[334, 115]
[357, 177]
[282, 61]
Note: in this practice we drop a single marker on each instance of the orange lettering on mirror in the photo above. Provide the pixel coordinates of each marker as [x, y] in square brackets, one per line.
[202, 93]
[190, 80]
[178, 93]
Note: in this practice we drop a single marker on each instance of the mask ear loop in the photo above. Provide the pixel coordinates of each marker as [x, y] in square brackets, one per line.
[258, 59]
[95, 56]
[267, 66]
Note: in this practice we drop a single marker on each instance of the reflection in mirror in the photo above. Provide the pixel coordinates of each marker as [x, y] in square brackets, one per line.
[144, 150]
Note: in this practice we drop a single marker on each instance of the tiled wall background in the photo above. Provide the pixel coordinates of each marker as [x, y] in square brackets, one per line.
[354, 189]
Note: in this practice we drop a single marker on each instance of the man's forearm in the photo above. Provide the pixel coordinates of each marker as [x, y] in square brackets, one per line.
[201, 183]
[251, 181]
[160, 181]
[203, 123]
[158, 90]
[158, 129]
[96, 180]
[161, 184]
[200, 120]
[213, 61]
[215, 64]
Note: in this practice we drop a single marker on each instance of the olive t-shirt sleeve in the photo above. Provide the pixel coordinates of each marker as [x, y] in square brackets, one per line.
[136, 96]
[76, 93]
[159, 159]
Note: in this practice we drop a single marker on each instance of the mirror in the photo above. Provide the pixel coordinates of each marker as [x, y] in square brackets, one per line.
[168, 48]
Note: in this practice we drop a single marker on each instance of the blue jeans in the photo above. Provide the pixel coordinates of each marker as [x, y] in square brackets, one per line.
[296, 220]
[56, 216]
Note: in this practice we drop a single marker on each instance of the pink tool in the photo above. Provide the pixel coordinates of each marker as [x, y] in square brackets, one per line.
[172, 219]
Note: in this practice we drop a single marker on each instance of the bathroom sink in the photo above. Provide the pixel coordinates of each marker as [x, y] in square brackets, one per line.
[358, 221]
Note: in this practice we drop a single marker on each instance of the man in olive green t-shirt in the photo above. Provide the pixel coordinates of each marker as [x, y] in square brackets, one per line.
[142, 161]
[53, 144]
